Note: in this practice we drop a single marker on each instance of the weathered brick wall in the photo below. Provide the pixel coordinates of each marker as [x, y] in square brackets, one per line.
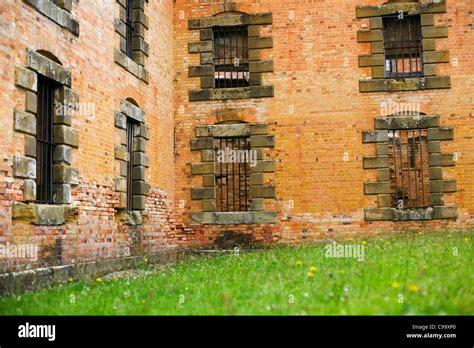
[318, 114]
[93, 231]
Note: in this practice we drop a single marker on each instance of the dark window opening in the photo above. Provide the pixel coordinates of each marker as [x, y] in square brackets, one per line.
[130, 134]
[44, 140]
[231, 60]
[403, 47]
[409, 168]
[233, 173]
[129, 28]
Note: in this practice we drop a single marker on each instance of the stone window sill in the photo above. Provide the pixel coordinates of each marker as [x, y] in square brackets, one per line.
[232, 93]
[407, 84]
[42, 214]
[392, 214]
[130, 218]
[131, 66]
[59, 14]
[234, 218]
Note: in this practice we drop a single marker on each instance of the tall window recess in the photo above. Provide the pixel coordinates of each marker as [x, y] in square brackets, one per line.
[409, 168]
[231, 64]
[44, 140]
[402, 46]
[232, 179]
[129, 29]
[130, 131]
[231, 58]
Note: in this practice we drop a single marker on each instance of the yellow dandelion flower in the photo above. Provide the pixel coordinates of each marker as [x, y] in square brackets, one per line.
[420, 232]
[395, 285]
[98, 279]
[413, 288]
[466, 240]
[299, 263]
[71, 280]
[313, 268]
[114, 277]
[310, 274]
[364, 242]
[350, 238]
[145, 259]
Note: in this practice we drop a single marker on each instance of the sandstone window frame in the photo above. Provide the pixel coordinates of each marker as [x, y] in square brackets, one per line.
[205, 48]
[430, 56]
[59, 11]
[439, 186]
[139, 46]
[204, 142]
[65, 138]
[137, 160]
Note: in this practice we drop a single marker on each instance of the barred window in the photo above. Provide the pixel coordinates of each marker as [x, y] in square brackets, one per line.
[233, 168]
[409, 168]
[231, 60]
[130, 129]
[129, 28]
[44, 140]
[403, 47]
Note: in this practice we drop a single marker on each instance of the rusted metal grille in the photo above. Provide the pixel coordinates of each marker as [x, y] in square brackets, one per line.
[130, 127]
[129, 28]
[233, 172]
[403, 47]
[44, 141]
[231, 59]
[409, 168]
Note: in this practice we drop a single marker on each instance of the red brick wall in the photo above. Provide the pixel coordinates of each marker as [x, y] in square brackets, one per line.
[94, 232]
[318, 115]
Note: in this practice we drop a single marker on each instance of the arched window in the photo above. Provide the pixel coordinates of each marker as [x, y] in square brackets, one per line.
[45, 134]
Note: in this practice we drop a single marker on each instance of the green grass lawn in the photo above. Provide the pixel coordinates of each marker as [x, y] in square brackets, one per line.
[403, 274]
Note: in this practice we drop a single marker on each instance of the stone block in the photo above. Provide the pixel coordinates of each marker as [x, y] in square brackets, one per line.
[376, 188]
[64, 135]
[203, 168]
[24, 167]
[63, 174]
[440, 134]
[120, 184]
[26, 79]
[202, 143]
[62, 153]
[31, 102]
[29, 190]
[140, 159]
[441, 160]
[262, 141]
[263, 192]
[209, 180]
[375, 162]
[139, 202]
[25, 122]
[132, 111]
[62, 194]
[374, 136]
[48, 68]
[443, 186]
[30, 146]
[445, 213]
[267, 166]
[138, 173]
[198, 193]
[140, 187]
